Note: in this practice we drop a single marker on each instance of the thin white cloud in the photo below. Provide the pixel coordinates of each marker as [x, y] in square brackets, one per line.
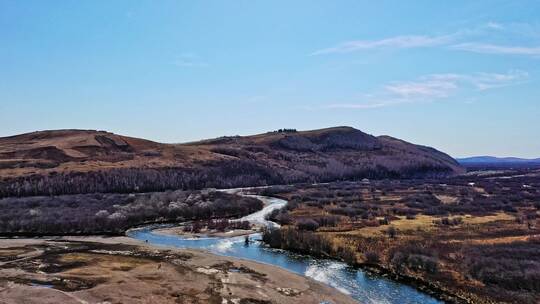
[398, 42]
[470, 40]
[431, 88]
[483, 81]
[495, 25]
[486, 48]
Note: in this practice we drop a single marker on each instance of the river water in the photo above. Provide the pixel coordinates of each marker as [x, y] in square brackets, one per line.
[362, 286]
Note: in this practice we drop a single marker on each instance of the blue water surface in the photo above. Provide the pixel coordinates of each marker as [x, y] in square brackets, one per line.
[362, 286]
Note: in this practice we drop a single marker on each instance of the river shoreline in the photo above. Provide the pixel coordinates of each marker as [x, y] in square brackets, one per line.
[118, 269]
[436, 291]
[430, 288]
[433, 290]
[259, 220]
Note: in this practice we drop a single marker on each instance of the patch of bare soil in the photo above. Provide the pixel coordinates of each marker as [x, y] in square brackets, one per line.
[97, 270]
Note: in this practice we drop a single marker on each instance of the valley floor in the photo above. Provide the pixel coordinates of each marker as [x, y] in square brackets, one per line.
[473, 238]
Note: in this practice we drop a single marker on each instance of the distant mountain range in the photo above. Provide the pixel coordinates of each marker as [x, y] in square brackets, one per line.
[496, 160]
[82, 161]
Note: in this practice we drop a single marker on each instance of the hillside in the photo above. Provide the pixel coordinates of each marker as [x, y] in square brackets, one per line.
[81, 161]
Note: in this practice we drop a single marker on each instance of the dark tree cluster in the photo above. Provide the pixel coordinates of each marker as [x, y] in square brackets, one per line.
[115, 213]
[224, 224]
[514, 267]
[285, 130]
[307, 242]
[446, 221]
[422, 201]
[279, 216]
[230, 174]
[219, 225]
[414, 258]
[307, 224]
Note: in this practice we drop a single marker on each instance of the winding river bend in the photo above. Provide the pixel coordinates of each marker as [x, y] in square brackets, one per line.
[362, 286]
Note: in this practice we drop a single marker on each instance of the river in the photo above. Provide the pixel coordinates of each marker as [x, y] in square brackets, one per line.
[360, 285]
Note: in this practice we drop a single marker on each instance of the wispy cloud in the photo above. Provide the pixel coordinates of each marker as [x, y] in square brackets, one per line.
[487, 48]
[471, 40]
[189, 60]
[398, 42]
[431, 88]
[495, 25]
[483, 81]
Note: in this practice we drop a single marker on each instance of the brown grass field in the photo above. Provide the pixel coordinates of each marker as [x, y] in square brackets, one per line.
[476, 243]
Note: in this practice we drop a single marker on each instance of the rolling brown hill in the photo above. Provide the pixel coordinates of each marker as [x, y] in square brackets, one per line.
[81, 161]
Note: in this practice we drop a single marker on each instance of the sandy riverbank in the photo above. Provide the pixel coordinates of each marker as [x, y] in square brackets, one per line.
[121, 270]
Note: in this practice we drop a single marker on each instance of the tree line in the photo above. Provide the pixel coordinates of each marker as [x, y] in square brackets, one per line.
[115, 213]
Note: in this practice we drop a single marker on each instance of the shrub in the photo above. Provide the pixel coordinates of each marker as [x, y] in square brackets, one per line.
[415, 258]
[307, 224]
[392, 232]
[372, 257]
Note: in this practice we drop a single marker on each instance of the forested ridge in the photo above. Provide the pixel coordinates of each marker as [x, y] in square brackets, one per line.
[76, 161]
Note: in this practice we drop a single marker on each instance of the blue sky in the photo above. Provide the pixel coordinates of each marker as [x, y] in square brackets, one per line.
[461, 76]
